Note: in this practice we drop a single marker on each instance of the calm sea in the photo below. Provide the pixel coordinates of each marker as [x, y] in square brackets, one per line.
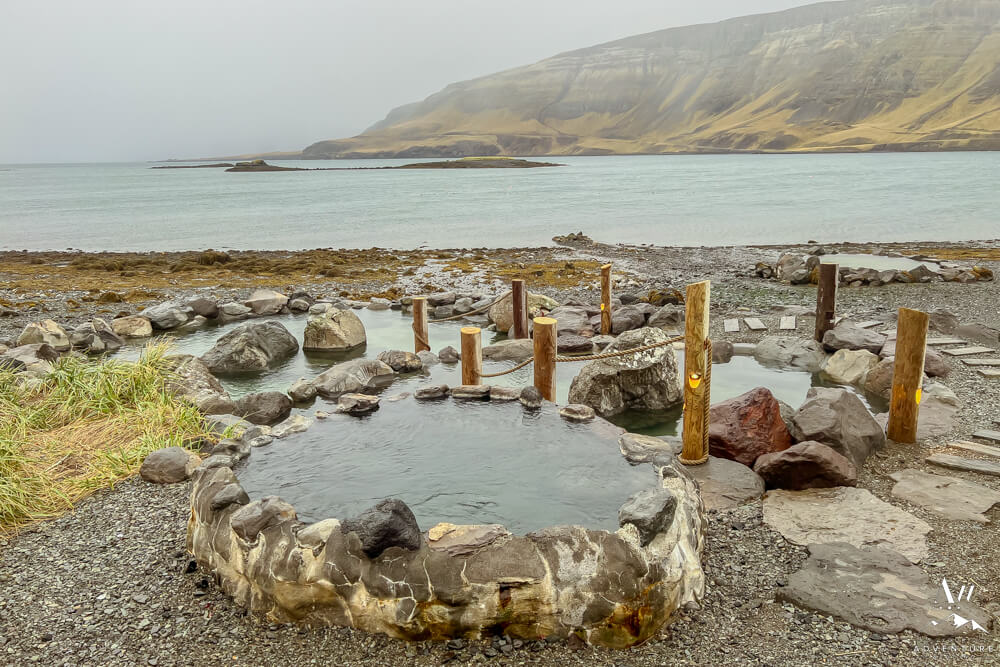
[665, 200]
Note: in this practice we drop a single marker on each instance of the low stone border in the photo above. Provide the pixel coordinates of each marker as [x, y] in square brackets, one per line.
[379, 573]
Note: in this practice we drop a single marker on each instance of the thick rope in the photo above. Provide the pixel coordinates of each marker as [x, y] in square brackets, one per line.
[706, 406]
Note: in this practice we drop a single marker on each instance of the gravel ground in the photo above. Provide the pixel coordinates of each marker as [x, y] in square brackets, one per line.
[111, 583]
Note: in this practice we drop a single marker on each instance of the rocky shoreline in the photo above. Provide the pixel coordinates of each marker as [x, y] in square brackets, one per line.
[172, 614]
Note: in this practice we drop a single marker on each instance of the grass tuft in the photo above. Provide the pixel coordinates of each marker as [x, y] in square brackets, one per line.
[82, 428]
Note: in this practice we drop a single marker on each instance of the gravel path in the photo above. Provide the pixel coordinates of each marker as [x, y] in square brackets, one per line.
[111, 583]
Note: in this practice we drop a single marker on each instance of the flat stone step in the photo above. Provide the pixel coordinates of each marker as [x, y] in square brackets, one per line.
[787, 323]
[965, 351]
[986, 450]
[968, 465]
[987, 435]
[946, 341]
[990, 372]
[732, 326]
[981, 362]
[869, 324]
[754, 324]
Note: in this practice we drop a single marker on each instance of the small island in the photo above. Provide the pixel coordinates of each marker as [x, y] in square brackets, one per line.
[462, 163]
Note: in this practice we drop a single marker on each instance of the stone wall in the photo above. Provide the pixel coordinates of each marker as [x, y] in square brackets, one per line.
[609, 589]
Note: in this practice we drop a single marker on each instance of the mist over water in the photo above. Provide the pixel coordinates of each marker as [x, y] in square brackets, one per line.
[664, 200]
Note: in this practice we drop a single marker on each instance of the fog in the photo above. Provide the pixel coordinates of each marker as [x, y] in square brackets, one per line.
[122, 80]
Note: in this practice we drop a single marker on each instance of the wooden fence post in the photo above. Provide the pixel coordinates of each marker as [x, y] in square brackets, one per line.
[472, 355]
[519, 301]
[907, 375]
[545, 357]
[696, 361]
[421, 341]
[826, 298]
[606, 299]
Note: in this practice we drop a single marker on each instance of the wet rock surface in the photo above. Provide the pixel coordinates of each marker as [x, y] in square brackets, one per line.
[747, 426]
[251, 347]
[806, 465]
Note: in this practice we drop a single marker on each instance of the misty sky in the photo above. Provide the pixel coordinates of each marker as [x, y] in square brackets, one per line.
[105, 80]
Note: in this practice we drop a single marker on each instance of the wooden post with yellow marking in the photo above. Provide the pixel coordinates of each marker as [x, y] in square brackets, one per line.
[545, 357]
[907, 375]
[826, 298]
[472, 355]
[421, 342]
[696, 362]
[606, 299]
[519, 300]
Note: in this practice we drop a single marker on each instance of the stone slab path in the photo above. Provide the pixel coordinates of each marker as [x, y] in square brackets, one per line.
[731, 326]
[754, 324]
[787, 323]
[968, 465]
[981, 362]
[976, 447]
[725, 484]
[990, 373]
[845, 514]
[879, 589]
[965, 351]
[946, 496]
[946, 341]
[987, 435]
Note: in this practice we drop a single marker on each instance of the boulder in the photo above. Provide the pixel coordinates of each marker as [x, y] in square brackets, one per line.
[355, 376]
[237, 450]
[667, 317]
[878, 589]
[502, 312]
[663, 296]
[789, 263]
[357, 404]
[251, 520]
[846, 336]
[401, 361]
[725, 484]
[943, 321]
[251, 347]
[299, 305]
[45, 332]
[334, 331]
[448, 355]
[379, 304]
[96, 337]
[168, 315]
[133, 326]
[302, 390]
[36, 358]
[266, 302]
[471, 392]
[442, 312]
[936, 417]
[747, 426]
[949, 497]
[572, 321]
[837, 418]
[463, 540]
[850, 366]
[427, 359]
[227, 425]
[638, 448]
[504, 394]
[574, 345]
[803, 353]
[265, 407]
[441, 299]
[651, 511]
[807, 465]
[722, 351]
[577, 413]
[192, 381]
[517, 349]
[229, 495]
[168, 465]
[233, 312]
[531, 398]
[292, 425]
[627, 318]
[878, 382]
[207, 308]
[645, 381]
[388, 524]
[463, 305]
[431, 392]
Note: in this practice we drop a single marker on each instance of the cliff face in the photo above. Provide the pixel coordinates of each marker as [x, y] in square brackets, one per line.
[853, 75]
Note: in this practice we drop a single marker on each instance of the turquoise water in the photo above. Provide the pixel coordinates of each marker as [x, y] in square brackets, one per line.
[668, 200]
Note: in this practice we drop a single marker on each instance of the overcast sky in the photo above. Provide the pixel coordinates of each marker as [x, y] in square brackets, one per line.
[105, 80]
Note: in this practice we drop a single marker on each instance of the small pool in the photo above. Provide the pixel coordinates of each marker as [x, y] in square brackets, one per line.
[877, 262]
[461, 462]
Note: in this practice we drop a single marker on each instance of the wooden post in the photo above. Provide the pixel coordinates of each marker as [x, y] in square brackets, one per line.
[472, 355]
[545, 357]
[421, 341]
[826, 298]
[606, 299]
[696, 362]
[907, 375]
[519, 300]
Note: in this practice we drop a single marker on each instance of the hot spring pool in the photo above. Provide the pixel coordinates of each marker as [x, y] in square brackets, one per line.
[460, 462]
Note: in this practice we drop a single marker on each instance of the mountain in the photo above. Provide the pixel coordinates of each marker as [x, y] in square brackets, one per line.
[857, 75]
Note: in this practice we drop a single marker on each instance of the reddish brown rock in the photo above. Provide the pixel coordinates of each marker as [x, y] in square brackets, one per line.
[807, 465]
[748, 426]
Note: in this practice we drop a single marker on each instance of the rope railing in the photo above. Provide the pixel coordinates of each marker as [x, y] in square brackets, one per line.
[418, 336]
[587, 357]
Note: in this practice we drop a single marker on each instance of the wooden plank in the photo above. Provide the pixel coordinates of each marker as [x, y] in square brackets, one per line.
[869, 324]
[754, 324]
[964, 351]
[545, 357]
[977, 448]
[787, 323]
[946, 341]
[696, 361]
[732, 326]
[907, 375]
[981, 362]
[987, 435]
[990, 372]
[968, 465]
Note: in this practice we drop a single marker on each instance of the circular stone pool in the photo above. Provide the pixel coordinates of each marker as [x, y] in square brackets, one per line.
[462, 563]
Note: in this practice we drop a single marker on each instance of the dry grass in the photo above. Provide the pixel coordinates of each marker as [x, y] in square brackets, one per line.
[84, 427]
